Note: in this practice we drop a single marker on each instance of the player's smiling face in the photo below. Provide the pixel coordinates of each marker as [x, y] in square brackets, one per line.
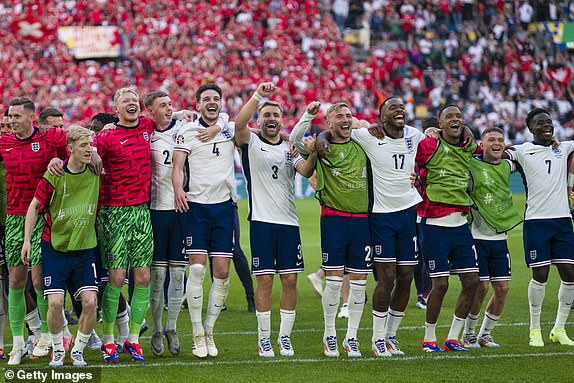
[493, 146]
[451, 123]
[5, 127]
[162, 111]
[340, 121]
[393, 113]
[209, 105]
[128, 108]
[542, 128]
[21, 120]
[270, 121]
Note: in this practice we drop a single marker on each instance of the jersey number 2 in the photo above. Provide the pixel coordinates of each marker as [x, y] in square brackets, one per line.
[167, 160]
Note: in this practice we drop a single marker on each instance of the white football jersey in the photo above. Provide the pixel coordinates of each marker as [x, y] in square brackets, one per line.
[392, 161]
[269, 171]
[161, 144]
[211, 166]
[544, 172]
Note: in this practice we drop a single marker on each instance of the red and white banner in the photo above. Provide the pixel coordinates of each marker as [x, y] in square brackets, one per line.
[91, 42]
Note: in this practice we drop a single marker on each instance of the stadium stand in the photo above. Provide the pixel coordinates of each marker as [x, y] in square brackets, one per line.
[495, 56]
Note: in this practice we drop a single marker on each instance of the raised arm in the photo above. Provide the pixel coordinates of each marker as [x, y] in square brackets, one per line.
[307, 166]
[241, 129]
[303, 125]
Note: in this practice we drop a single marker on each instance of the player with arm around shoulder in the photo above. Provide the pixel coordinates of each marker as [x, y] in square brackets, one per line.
[68, 242]
[493, 215]
[547, 231]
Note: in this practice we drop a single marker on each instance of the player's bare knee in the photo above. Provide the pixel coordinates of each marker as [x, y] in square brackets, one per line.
[289, 281]
[482, 288]
[500, 289]
[265, 282]
[56, 303]
[440, 285]
[566, 272]
[470, 283]
[540, 274]
[89, 302]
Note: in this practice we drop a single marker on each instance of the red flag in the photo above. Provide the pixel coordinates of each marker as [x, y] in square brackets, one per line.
[30, 28]
[561, 75]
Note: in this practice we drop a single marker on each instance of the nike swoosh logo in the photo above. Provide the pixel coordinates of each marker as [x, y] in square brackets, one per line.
[156, 140]
[196, 297]
[7, 150]
[382, 143]
[334, 304]
[263, 149]
[358, 303]
[217, 305]
[264, 330]
[532, 154]
[369, 265]
[123, 142]
[299, 263]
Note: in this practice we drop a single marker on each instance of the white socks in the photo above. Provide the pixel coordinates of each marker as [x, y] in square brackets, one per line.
[217, 295]
[356, 304]
[174, 295]
[263, 324]
[123, 323]
[156, 299]
[456, 327]
[379, 324]
[33, 320]
[194, 296]
[488, 324]
[393, 322]
[57, 341]
[287, 322]
[330, 300]
[430, 332]
[81, 341]
[536, 292]
[470, 323]
[565, 298]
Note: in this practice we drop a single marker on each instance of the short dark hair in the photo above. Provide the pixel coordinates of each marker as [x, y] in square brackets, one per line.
[384, 102]
[447, 106]
[150, 98]
[533, 113]
[270, 103]
[6, 113]
[208, 86]
[429, 122]
[49, 112]
[25, 102]
[104, 118]
[490, 130]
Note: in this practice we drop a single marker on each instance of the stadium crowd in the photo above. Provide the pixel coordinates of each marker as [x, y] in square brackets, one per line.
[440, 58]
[480, 53]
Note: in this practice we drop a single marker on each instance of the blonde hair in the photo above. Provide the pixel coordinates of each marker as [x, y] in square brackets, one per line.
[77, 133]
[336, 107]
[122, 91]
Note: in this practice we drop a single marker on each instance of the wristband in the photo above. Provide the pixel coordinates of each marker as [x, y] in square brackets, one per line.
[256, 96]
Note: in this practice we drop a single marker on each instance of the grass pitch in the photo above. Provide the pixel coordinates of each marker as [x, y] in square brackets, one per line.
[236, 336]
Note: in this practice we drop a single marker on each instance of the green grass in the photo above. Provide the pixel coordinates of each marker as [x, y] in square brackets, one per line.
[236, 337]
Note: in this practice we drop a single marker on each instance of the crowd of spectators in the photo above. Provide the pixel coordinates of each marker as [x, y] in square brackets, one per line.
[485, 55]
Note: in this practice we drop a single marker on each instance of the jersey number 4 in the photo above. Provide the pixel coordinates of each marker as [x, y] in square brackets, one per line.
[215, 150]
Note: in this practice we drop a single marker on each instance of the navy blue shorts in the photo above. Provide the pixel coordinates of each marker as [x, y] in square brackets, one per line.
[447, 250]
[168, 245]
[208, 229]
[395, 237]
[346, 244]
[275, 249]
[548, 241]
[493, 260]
[75, 270]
